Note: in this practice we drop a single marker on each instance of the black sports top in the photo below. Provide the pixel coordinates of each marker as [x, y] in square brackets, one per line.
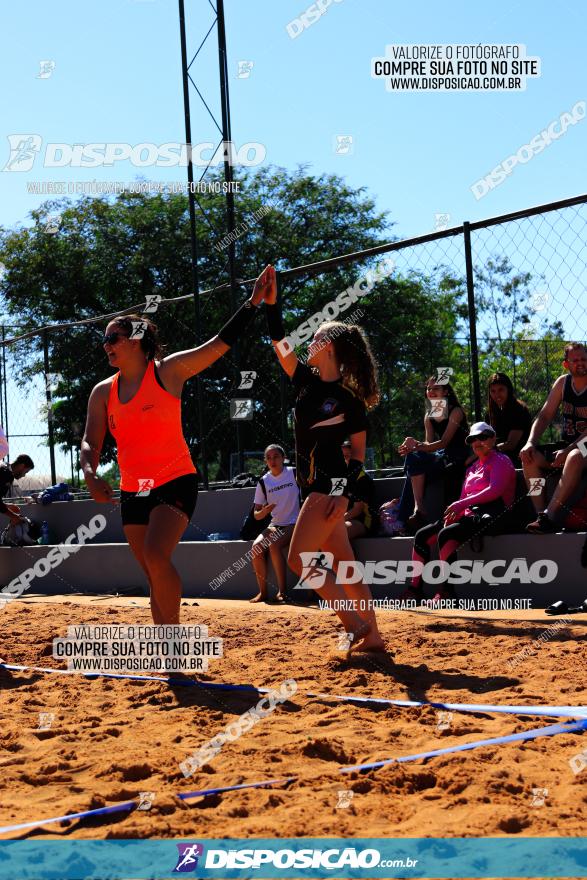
[326, 414]
[456, 449]
[515, 417]
[574, 408]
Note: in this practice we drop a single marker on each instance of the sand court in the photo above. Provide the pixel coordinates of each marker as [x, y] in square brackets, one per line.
[73, 744]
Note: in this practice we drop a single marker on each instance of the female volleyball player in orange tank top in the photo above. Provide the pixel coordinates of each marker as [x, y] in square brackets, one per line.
[141, 407]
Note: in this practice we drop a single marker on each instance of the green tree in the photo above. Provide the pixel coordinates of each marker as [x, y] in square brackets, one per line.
[110, 254]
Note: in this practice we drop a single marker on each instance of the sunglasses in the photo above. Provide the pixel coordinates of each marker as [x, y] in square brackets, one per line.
[112, 338]
[480, 437]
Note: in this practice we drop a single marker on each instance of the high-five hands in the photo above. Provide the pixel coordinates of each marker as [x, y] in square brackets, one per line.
[271, 289]
[265, 287]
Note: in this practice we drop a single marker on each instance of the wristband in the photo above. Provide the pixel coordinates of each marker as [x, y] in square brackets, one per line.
[236, 325]
[274, 322]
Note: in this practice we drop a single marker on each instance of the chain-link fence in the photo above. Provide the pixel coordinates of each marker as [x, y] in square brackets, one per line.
[503, 294]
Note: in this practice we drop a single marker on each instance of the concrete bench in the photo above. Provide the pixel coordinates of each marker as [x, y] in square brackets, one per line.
[222, 569]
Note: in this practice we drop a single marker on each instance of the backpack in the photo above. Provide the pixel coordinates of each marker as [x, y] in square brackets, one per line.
[388, 521]
[251, 527]
[60, 492]
[244, 481]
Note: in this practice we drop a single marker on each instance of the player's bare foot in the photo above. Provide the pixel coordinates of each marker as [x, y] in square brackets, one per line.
[258, 598]
[371, 641]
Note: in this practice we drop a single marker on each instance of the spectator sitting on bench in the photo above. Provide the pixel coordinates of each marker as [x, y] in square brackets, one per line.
[484, 508]
[361, 518]
[566, 458]
[445, 429]
[8, 474]
[509, 416]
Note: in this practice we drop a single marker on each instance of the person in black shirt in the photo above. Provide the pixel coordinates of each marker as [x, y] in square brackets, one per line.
[333, 393]
[509, 417]
[445, 429]
[8, 474]
[565, 459]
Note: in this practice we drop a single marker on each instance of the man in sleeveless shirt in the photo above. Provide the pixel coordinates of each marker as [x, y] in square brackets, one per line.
[566, 459]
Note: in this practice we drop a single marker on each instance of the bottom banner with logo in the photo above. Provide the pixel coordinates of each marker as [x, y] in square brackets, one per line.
[298, 857]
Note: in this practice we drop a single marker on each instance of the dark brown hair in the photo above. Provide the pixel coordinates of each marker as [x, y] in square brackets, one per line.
[451, 394]
[23, 459]
[452, 402]
[357, 364]
[276, 446]
[511, 402]
[150, 342]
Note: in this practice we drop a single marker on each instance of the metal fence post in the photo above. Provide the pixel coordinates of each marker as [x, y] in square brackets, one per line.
[193, 245]
[469, 371]
[472, 320]
[49, 407]
[282, 380]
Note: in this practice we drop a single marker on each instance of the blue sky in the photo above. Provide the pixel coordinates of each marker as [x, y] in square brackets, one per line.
[117, 78]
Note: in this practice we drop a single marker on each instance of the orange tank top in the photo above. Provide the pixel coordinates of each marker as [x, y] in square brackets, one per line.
[148, 434]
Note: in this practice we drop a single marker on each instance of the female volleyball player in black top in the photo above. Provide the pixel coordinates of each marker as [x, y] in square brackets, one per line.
[333, 392]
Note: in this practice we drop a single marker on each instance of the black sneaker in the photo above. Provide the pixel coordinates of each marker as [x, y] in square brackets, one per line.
[542, 525]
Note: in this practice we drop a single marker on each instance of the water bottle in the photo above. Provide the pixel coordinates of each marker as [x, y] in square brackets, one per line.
[44, 539]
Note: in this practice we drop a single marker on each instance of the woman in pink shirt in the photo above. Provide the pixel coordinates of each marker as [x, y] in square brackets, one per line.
[487, 495]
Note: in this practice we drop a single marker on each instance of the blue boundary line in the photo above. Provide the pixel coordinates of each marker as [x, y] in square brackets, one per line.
[551, 730]
[546, 711]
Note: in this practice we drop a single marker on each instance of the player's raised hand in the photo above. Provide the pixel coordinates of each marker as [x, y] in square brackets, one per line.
[271, 288]
[261, 286]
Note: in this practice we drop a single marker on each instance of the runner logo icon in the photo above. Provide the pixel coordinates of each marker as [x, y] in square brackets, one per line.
[187, 860]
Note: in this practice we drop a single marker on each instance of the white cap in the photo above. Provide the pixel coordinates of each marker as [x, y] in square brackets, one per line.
[479, 428]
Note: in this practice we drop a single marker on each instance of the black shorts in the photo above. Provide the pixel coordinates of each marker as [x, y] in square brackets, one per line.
[180, 493]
